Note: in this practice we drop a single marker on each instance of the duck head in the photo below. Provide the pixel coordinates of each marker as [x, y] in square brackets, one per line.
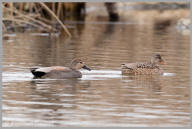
[157, 59]
[77, 64]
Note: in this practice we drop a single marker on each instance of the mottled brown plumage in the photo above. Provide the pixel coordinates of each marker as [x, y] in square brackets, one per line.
[150, 67]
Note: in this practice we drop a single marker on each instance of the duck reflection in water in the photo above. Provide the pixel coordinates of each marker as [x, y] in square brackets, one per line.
[149, 83]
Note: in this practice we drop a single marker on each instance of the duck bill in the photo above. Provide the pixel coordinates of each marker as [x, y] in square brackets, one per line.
[87, 68]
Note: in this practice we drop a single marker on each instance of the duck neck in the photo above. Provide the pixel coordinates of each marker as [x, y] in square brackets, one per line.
[74, 68]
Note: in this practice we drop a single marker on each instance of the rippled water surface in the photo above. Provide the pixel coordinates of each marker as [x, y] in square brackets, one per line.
[102, 97]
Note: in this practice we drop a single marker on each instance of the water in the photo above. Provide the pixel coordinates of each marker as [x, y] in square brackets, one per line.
[102, 97]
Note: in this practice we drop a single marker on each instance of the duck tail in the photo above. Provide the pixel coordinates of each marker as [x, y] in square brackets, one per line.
[33, 70]
[37, 74]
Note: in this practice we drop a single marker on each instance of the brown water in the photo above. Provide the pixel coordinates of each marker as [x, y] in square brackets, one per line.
[102, 97]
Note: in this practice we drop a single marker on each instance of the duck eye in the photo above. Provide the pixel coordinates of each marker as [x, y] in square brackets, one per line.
[80, 62]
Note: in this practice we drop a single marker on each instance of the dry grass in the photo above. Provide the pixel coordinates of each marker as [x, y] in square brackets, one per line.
[33, 14]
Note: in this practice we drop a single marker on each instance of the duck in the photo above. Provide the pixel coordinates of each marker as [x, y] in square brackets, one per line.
[61, 72]
[153, 66]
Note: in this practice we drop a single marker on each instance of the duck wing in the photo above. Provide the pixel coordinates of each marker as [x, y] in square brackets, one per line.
[137, 65]
[39, 72]
[129, 66]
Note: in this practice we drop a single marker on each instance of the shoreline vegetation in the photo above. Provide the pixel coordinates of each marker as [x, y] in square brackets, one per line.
[50, 17]
[32, 14]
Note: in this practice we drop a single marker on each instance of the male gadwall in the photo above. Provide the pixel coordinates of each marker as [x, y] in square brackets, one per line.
[60, 72]
[150, 67]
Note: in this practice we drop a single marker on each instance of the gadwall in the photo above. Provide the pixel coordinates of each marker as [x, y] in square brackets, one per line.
[60, 72]
[150, 67]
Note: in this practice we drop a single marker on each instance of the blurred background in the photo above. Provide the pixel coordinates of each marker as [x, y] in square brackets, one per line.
[104, 35]
[51, 17]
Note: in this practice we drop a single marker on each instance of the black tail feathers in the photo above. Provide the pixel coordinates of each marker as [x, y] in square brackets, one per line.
[37, 74]
[33, 69]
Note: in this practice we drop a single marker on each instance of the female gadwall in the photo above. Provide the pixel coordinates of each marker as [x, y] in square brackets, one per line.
[150, 67]
[60, 72]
